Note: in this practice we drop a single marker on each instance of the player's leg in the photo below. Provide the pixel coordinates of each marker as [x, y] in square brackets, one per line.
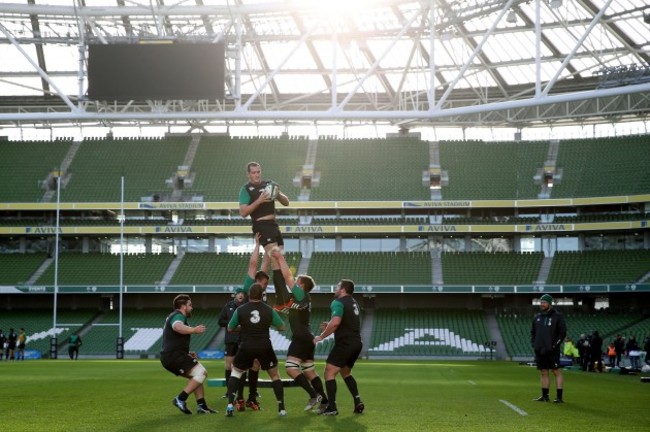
[227, 368]
[272, 237]
[331, 370]
[241, 363]
[309, 371]
[293, 367]
[317, 383]
[199, 374]
[233, 385]
[350, 382]
[182, 365]
[268, 362]
[281, 291]
[544, 382]
[559, 385]
[253, 379]
[278, 389]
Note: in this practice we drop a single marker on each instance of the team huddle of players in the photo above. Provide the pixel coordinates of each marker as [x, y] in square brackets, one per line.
[248, 320]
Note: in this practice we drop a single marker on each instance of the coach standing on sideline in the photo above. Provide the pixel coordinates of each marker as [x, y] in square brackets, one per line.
[176, 357]
[547, 333]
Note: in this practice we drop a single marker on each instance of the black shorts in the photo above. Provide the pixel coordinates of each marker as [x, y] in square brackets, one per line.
[345, 354]
[248, 352]
[550, 360]
[231, 349]
[269, 231]
[178, 363]
[21, 346]
[302, 349]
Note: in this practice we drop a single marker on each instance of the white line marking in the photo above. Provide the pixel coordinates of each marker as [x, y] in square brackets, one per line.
[514, 407]
[471, 382]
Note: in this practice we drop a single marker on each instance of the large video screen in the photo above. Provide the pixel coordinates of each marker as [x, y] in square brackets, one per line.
[157, 71]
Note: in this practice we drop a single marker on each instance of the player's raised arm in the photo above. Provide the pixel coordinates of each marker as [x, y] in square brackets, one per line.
[255, 256]
[276, 253]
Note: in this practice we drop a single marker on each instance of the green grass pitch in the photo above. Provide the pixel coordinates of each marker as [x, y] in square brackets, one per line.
[135, 395]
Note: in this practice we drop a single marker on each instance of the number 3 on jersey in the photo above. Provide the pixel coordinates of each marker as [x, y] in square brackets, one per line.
[255, 316]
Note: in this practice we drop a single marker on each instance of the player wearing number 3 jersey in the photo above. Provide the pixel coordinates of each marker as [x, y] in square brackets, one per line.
[345, 323]
[254, 319]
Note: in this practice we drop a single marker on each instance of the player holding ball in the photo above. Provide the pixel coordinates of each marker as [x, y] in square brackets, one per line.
[257, 200]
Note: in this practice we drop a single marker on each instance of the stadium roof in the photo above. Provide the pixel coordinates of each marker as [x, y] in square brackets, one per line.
[515, 63]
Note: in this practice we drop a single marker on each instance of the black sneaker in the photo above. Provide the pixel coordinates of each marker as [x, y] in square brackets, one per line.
[181, 405]
[542, 399]
[203, 409]
[559, 401]
[358, 408]
[329, 412]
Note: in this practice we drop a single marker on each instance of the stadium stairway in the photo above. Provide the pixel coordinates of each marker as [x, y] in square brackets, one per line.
[644, 278]
[366, 329]
[169, 274]
[303, 267]
[495, 335]
[65, 166]
[39, 271]
[436, 268]
[544, 269]
[217, 341]
[189, 159]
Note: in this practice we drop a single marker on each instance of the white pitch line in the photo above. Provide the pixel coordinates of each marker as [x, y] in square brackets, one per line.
[471, 382]
[514, 407]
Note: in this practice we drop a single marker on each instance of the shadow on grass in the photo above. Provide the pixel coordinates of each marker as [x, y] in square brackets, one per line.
[264, 422]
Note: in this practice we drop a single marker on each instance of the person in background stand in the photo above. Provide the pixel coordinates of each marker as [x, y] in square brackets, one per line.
[12, 338]
[583, 350]
[633, 352]
[570, 350]
[3, 344]
[611, 354]
[595, 352]
[546, 335]
[74, 342]
[619, 346]
[20, 344]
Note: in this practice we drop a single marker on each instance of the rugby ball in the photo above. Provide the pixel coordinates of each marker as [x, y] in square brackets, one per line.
[271, 190]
